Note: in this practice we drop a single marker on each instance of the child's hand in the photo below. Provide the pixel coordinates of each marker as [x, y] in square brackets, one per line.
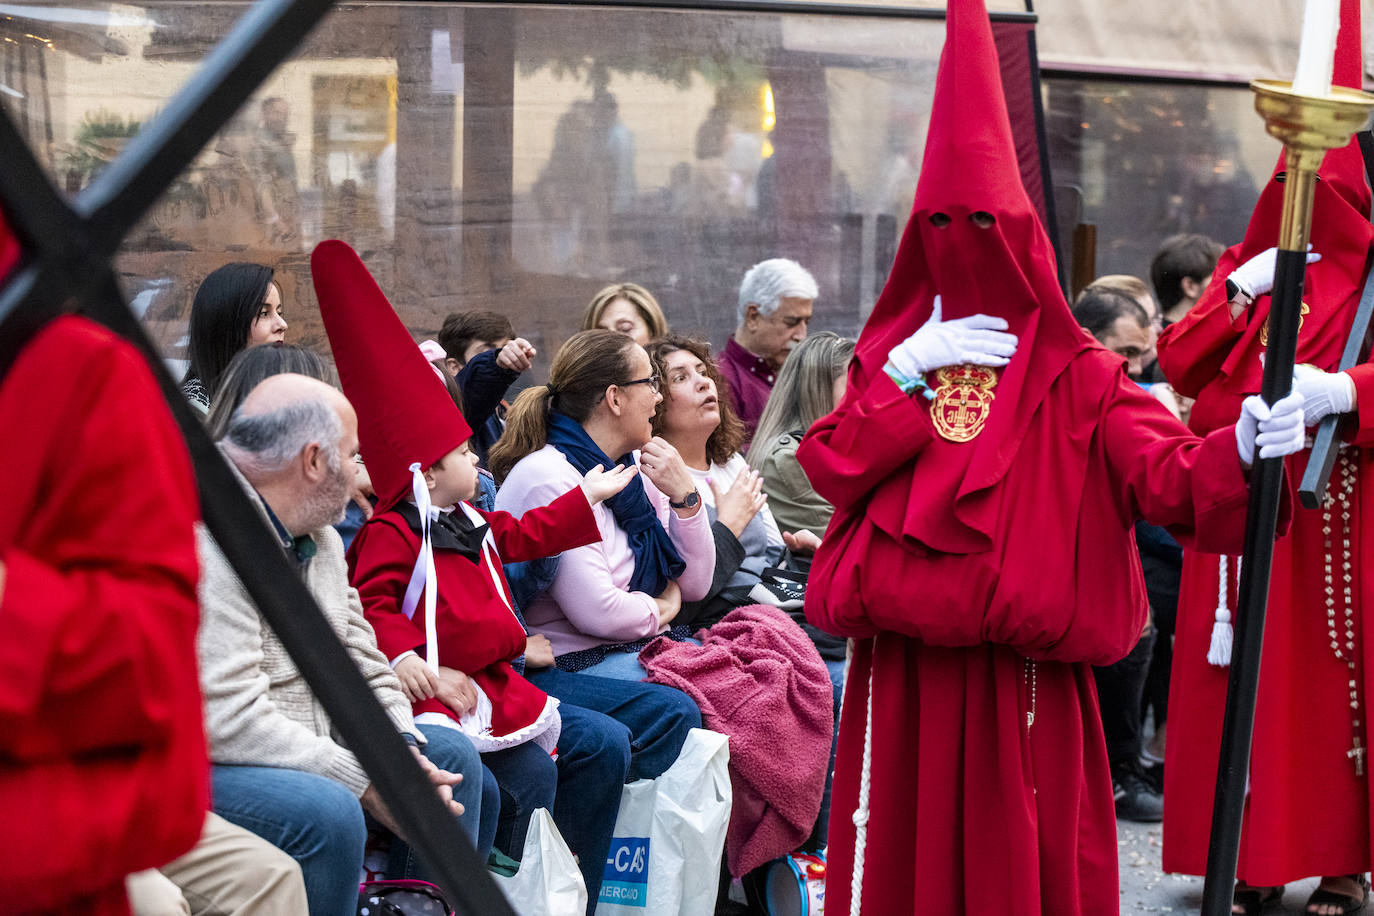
[517, 355]
[600, 484]
[417, 680]
[456, 691]
[363, 493]
[538, 651]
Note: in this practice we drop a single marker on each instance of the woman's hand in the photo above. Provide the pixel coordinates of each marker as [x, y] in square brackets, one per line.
[737, 504]
[418, 682]
[801, 542]
[669, 603]
[538, 651]
[601, 484]
[456, 691]
[667, 471]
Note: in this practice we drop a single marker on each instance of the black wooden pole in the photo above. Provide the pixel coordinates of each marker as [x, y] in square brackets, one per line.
[1266, 491]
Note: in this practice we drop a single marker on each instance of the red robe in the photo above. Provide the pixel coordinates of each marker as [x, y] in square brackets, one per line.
[971, 810]
[103, 767]
[1308, 812]
[478, 633]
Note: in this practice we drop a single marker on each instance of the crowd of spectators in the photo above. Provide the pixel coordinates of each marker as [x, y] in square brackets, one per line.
[674, 498]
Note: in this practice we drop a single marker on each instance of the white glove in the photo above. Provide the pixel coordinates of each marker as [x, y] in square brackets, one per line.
[977, 339]
[1324, 393]
[1256, 276]
[1278, 431]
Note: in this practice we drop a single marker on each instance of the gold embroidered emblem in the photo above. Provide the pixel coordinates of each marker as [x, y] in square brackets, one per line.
[1264, 331]
[963, 398]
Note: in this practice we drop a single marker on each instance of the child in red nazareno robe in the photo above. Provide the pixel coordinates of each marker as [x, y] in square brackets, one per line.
[427, 565]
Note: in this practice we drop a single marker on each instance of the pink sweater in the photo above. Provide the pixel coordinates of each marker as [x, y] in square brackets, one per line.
[589, 603]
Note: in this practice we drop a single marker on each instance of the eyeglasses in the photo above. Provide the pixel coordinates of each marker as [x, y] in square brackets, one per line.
[651, 381]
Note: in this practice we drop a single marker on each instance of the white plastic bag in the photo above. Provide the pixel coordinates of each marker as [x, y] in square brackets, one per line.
[548, 882]
[670, 835]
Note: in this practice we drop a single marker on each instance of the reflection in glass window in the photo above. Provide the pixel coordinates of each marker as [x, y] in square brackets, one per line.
[504, 157]
[1143, 161]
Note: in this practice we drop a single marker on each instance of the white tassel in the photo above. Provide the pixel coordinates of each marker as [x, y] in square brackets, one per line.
[1219, 651]
[856, 881]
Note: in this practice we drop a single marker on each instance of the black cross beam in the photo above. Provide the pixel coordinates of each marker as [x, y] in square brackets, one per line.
[66, 266]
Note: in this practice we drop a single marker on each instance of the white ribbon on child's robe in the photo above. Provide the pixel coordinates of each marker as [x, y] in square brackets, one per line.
[476, 723]
[423, 572]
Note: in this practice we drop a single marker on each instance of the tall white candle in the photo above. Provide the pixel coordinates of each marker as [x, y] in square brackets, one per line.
[1320, 21]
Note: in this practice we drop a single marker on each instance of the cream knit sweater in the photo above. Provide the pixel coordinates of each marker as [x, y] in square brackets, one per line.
[259, 710]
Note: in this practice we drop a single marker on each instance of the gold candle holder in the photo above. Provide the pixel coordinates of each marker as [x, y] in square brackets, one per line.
[1308, 126]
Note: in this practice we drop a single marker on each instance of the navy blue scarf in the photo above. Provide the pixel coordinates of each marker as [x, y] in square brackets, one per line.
[656, 559]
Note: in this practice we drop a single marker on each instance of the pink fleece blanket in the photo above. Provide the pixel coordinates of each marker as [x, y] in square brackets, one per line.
[758, 679]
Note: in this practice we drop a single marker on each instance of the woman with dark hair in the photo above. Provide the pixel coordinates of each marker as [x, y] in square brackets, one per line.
[703, 428]
[696, 418]
[237, 306]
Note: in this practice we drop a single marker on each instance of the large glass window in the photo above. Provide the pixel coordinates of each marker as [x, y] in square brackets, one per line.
[513, 158]
[1142, 161]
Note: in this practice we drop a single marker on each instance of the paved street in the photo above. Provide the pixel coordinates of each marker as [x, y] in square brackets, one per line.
[1146, 889]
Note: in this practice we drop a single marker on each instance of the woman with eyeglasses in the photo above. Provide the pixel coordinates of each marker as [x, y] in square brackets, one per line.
[608, 599]
[657, 551]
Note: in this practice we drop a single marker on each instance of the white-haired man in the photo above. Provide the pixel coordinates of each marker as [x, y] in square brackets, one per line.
[278, 767]
[774, 309]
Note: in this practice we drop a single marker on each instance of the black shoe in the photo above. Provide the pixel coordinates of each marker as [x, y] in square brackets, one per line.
[1153, 774]
[1135, 800]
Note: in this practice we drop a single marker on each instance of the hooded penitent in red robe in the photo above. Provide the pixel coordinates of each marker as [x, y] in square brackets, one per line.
[406, 418]
[103, 768]
[1308, 812]
[980, 579]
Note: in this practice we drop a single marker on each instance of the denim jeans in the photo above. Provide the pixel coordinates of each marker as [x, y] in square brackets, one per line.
[614, 731]
[528, 778]
[449, 749]
[319, 822]
[618, 666]
[658, 718]
[593, 761]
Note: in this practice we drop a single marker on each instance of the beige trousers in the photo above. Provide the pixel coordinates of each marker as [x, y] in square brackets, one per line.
[229, 872]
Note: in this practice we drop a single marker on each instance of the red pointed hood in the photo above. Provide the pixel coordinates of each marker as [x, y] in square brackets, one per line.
[1005, 269]
[405, 414]
[1341, 232]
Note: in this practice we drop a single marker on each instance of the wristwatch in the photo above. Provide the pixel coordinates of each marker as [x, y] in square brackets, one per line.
[1235, 294]
[688, 502]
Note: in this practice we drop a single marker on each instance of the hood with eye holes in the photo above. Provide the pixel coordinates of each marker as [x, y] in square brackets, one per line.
[976, 240]
[974, 236]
